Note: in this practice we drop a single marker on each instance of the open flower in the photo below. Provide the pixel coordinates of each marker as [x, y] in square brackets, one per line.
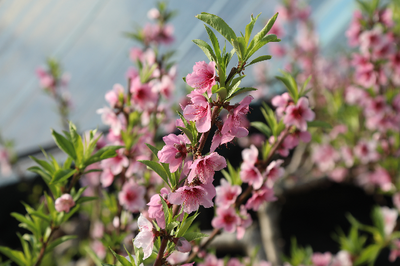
[199, 111]
[227, 219]
[193, 196]
[298, 114]
[226, 194]
[145, 238]
[174, 152]
[203, 77]
[132, 196]
[204, 167]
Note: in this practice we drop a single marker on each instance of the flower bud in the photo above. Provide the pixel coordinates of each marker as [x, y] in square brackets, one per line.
[182, 245]
[64, 203]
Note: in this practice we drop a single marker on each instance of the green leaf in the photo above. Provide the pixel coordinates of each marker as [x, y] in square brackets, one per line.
[263, 128]
[25, 247]
[121, 259]
[94, 257]
[153, 149]
[85, 199]
[64, 144]
[172, 225]
[58, 241]
[261, 34]
[188, 133]
[368, 255]
[185, 225]
[290, 84]
[156, 167]
[238, 49]
[62, 175]
[317, 123]
[190, 236]
[26, 223]
[240, 91]
[249, 28]
[235, 83]
[15, 256]
[46, 177]
[259, 59]
[78, 144]
[102, 154]
[206, 49]
[267, 39]
[46, 165]
[215, 43]
[165, 210]
[41, 215]
[218, 24]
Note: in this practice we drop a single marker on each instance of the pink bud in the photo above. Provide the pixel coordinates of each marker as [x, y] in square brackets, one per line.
[182, 245]
[64, 203]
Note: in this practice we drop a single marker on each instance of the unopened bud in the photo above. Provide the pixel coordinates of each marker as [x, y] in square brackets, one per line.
[182, 245]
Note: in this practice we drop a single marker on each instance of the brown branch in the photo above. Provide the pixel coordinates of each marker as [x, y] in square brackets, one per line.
[44, 245]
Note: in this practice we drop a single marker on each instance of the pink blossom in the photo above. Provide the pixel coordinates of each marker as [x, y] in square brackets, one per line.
[366, 151]
[199, 111]
[325, 157]
[284, 146]
[177, 257]
[389, 219]
[211, 260]
[234, 122]
[338, 174]
[245, 222]
[145, 238]
[220, 139]
[381, 178]
[182, 245]
[203, 77]
[355, 95]
[117, 163]
[153, 13]
[249, 173]
[194, 196]
[166, 86]
[385, 16]
[64, 203]
[174, 152]
[319, 259]
[264, 194]
[116, 123]
[354, 29]
[234, 262]
[156, 208]
[342, 258]
[204, 168]
[143, 95]
[226, 218]
[5, 164]
[99, 249]
[98, 230]
[46, 80]
[396, 200]
[132, 196]
[347, 156]
[113, 96]
[106, 177]
[395, 250]
[298, 114]
[226, 194]
[274, 171]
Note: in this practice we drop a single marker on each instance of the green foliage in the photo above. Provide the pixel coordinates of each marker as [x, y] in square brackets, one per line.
[299, 255]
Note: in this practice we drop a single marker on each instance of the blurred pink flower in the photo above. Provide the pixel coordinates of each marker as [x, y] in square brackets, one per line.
[131, 197]
[64, 203]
